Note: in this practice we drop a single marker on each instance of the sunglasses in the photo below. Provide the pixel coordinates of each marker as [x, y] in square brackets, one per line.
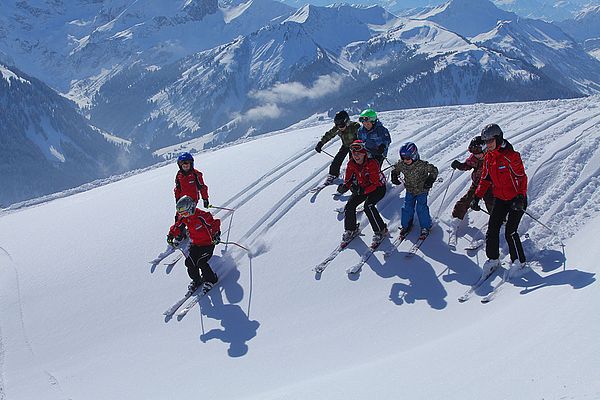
[341, 125]
[365, 119]
[186, 162]
[406, 158]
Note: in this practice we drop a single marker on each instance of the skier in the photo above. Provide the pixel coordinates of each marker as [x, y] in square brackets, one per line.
[189, 181]
[419, 177]
[374, 135]
[205, 233]
[364, 178]
[346, 130]
[474, 162]
[504, 171]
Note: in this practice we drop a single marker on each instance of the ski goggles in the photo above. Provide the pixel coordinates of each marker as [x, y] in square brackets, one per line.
[360, 147]
[365, 119]
[340, 125]
[184, 213]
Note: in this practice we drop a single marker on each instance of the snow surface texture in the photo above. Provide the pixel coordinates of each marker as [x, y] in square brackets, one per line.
[80, 307]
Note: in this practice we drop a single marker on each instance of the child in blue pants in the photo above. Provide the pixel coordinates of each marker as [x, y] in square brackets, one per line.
[419, 177]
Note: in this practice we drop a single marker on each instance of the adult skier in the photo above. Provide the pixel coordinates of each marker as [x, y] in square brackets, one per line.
[204, 233]
[374, 135]
[189, 181]
[346, 130]
[473, 162]
[419, 176]
[504, 172]
[367, 183]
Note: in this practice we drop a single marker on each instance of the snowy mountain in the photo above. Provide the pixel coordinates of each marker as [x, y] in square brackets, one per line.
[47, 146]
[80, 310]
[585, 28]
[89, 41]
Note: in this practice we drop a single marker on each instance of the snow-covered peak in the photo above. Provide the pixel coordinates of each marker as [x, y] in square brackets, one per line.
[468, 17]
[9, 75]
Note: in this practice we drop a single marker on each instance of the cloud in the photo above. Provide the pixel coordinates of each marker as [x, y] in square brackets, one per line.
[294, 91]
[273, 100]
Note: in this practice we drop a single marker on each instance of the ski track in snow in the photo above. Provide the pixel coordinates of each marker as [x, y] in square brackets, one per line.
[52, 381]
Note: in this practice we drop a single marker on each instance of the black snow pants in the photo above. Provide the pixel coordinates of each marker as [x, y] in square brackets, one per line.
[197, 262]
[502, 211]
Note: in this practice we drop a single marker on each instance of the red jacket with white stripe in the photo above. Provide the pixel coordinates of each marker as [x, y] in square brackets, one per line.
[201, 227]
[190, 184]
[503, 169]
[368, 175]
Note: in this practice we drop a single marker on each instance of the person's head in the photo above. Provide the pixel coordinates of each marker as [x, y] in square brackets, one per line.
[341, 120]
[358, 151]
[185, 206]
[185, 161]
[409, 153]
[368, 118]
[493, 136]
[476, 147]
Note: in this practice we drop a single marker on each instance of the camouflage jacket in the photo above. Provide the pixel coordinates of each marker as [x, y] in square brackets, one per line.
[348, 136]
[415, 175]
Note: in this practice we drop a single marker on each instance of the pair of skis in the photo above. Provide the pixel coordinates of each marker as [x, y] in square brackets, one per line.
[319, 268]
[193, 297]
[495, 288]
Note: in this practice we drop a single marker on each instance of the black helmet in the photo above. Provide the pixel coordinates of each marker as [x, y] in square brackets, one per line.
[492, 131]
[341, 119]
[476, 145]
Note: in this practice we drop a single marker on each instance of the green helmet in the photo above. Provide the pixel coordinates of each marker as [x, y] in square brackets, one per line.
[368, 115]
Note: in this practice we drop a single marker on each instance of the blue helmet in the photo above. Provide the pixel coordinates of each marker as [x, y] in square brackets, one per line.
[409, 150]
[185, 157]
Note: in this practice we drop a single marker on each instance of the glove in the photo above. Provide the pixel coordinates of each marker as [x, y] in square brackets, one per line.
[172, 241]
[474, 205]
[428, 183]
[357, 190]
[341, 189]
[319, 147]
[519, 203]
[395, 178]
[216, 238]
[381, 149]
[206, 203]
[455, 164]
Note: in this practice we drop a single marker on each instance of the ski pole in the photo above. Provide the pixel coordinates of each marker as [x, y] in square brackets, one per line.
[236, 244]
[221, 208]
[544, 225]
[445, 193]
[323, 151]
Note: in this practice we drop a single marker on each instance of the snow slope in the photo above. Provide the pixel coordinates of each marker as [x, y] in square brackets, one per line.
[80, 307]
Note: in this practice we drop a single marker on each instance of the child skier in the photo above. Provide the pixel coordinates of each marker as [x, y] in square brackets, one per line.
[474, 162]
[204, 233]
[346, 130]
[367, 183]
[374, 135]
[419, 176]
[189, 181]
[504, 172]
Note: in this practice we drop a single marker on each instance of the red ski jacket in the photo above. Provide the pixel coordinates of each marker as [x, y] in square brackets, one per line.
[368, 175]
[503, 170]
[190, 184]
[201, 227]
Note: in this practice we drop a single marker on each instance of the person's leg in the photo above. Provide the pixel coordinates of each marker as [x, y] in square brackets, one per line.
[350, 211]
[408, 210]
[334, 168]
[371, 211]
[423, 211]
[200, 256]
[462, 205]
[515, 247]
[492, 242]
